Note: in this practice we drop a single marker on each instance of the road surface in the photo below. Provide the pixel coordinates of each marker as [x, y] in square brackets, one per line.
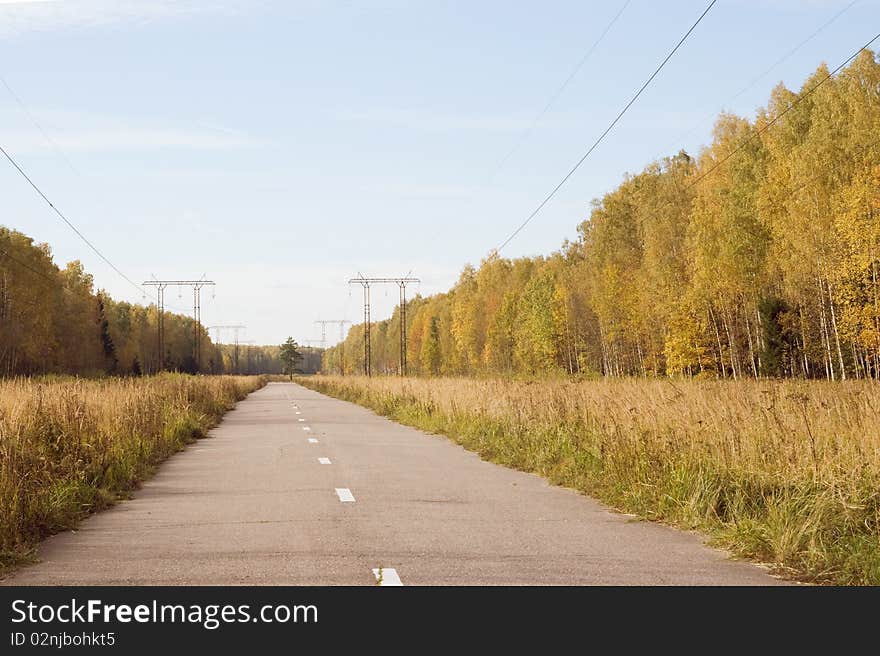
[296, 488]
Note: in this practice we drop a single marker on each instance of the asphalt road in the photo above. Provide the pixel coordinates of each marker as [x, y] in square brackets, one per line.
[296, 488]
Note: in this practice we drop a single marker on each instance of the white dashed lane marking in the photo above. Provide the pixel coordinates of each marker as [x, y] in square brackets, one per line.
[345, 495]
[387, 576]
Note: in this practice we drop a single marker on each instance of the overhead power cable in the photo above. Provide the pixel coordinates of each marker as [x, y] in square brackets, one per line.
[698, 179]
[524, 135]
[813, 178]
[27, 266]
[69, 224]
[39, 273]
[39, 127]
[607, 130]
[761, 76]
[70, 165]
[770, 124]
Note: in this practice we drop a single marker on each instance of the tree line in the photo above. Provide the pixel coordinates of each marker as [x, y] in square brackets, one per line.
[52, 320]
[250, 359]
[757, 257]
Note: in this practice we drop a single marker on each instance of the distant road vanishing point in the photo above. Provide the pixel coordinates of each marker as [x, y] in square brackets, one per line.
[345, 497]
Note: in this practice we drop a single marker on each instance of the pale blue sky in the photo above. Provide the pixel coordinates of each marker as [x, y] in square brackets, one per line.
[281, 147]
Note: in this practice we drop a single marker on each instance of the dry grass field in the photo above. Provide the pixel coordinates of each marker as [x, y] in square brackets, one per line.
[786, 472]
[69, 447]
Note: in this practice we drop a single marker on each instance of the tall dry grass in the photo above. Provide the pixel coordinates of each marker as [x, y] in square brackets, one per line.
[787, 472]
[69, 447]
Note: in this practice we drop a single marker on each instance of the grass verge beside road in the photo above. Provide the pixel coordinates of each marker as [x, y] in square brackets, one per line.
[785, 472]
[70, 447]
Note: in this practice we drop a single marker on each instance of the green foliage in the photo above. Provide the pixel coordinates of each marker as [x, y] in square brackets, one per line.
[70, 447]
[53, 321]
[785, 471]
[431, 350]
[763, 263]
[775, 342]
[289, 356]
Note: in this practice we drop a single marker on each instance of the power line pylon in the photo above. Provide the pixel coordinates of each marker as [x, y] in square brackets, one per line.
[248, 353]
[401, 283]
[235, 328]
[196, 285]
[341, 323]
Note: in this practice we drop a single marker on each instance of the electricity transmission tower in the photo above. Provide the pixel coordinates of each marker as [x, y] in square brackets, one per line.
[401, 283]
[234, 328]
[196, 285]
[236, 344]
[248, 344]
[341, 323]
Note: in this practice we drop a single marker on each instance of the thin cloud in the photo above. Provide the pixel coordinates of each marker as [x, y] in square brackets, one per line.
[416, 190]
[72, 132]
[25, 16]
[128, 139]
[434, 122]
